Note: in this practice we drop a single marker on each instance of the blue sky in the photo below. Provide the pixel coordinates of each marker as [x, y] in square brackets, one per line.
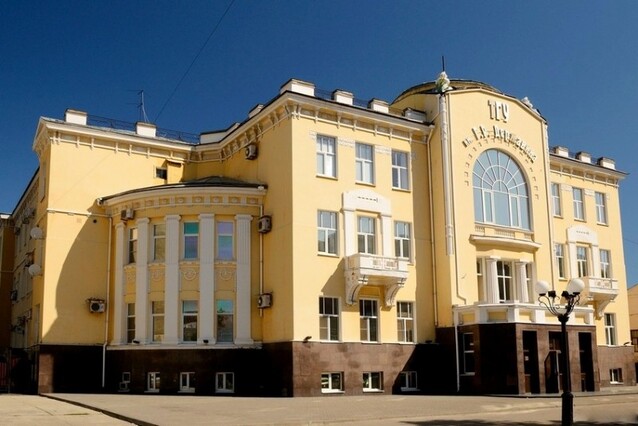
[577, 61]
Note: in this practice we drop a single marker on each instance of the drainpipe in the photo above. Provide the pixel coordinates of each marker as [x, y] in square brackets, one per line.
[261, 260]
[432, 247]
[108, 305]
[456, 351]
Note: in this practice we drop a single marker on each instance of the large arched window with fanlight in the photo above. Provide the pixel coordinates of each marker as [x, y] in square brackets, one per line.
[501, 195]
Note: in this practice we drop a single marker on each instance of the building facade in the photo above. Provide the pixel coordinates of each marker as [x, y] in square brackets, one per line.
[322, 246]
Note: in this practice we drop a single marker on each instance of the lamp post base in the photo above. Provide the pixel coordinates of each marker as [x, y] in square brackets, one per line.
[567, 413]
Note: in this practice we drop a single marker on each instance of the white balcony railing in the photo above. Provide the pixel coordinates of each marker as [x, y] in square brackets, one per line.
[368, 269]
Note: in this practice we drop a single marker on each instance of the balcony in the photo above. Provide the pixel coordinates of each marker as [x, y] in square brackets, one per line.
[515, 312]
[601, 291]
[367, 269]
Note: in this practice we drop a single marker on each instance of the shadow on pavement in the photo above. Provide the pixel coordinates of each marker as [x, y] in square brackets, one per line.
[501, 423]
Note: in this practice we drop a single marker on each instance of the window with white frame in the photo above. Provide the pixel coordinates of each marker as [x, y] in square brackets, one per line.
[326, 232]
[500, 191]
[610, 329]
[366, 234]
[191, 240]
[153, 381]
[556, 203]
[125, 382]
[405, 322]
[601, 208]
[400, 175]
[187, 381]
[225, 240]
[132, 245]
[189, 320]
[615, 375]
[467, 346]
[605, 264]
[225, 320]
[364, 162]
[407, 381]
[225, 382]
[402, 240]
[369, 320]
[372, 381]
[581, 261]
[130, 322]
[504, 279]
[326, 156]
[157, 317]
[579, 206]
[331, 382]
[329, 318]
[159, 242]
[559, 255]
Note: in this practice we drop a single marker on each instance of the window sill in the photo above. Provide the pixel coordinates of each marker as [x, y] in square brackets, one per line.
[394, 188]
[187, 391]
[372, 390]
[333, 255]
[467, 374]
[327, 177]
[152, 391]
[227, 392]
[360, 182]
[332, 392]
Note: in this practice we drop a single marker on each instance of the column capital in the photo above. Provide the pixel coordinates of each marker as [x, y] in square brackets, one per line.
[245, 217]
[172, 217]
[206, 216]
[142, 221]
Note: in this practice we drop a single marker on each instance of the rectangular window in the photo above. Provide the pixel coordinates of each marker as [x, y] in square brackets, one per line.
[132, 245]
[161, 173]
[153, 381]
[191, 240]
[187, 381]
[605, 264]
[326, 156]
[326, 232]
[329, 318]
[130, 322]
[125, 382]
[157, 313]
[225, 382]
[225, 316]
[615, 375]
[581, 261]
[634, 339]
[369, 320]
[189, 320]
[559, 253]
[405, 322]
[556, 205]
[400, 170]
[331, 382]
[372, 381]
[579, 207]
[225, 240]
[468, 353]
[366, 235]
[159, 242]
[402, 240]
[601, 208]
[407, 380]
[364, 161]
[504, 278]
[610, 329]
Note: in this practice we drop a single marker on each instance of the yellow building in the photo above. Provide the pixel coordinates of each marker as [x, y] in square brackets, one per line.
[323, 245]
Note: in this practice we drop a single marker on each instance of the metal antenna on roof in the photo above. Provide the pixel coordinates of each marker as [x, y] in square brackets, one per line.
[443, 62]
[143, 116]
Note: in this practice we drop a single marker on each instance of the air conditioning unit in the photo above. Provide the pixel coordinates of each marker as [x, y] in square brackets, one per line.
[264, 224]
[127, 214]
[18, 329]
[96, 306]
[123, 387]
[264, 300]
[251, 151]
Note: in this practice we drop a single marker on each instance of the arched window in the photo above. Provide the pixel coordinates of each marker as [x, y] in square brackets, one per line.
[500, 191]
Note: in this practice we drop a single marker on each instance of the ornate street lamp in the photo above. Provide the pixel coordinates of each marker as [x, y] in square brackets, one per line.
[561, 306]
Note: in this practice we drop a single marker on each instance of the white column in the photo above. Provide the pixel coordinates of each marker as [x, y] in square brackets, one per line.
[171, 281]
[491, 279]
[206, 277]
[141, 281]
[243, 311]
[119, 335]
[386, 236]
[521, 282]
[350, 232]
[594, 269]
[573, 263]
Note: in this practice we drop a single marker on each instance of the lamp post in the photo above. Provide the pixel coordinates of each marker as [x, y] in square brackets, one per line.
[561, 306]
